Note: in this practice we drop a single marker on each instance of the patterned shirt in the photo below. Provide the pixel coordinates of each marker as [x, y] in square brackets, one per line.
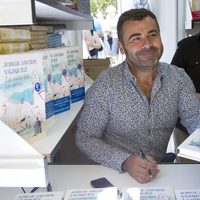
[117, 119]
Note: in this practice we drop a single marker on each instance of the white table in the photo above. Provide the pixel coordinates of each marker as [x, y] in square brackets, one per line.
[63, 177]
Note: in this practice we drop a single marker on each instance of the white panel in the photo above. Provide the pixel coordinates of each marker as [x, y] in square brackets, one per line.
[166, 12]
[14, 12]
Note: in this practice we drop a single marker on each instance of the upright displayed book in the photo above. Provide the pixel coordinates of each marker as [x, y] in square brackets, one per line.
[76, 74]
[190, 148]
[22, 94]
[48, 84]
[61, 86]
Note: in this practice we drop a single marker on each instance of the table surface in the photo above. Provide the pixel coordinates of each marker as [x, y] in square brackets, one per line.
[63, 177]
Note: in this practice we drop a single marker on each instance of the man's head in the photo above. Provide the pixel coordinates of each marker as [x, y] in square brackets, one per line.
[131, 15]
[139, 38]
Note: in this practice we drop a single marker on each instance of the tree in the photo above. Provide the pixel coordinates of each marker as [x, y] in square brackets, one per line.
[101, 5]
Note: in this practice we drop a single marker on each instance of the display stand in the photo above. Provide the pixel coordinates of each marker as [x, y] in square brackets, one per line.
[20, 164]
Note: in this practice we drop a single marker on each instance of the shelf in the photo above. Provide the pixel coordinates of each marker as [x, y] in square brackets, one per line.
[52, 12]
[24, 12]
[50, 145]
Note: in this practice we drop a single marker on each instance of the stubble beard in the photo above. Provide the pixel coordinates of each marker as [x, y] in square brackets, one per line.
[136, 60]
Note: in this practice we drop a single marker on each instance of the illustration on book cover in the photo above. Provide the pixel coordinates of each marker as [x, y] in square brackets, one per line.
[22, 94]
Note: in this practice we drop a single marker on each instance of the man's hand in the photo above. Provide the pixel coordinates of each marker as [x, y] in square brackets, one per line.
[142, 170]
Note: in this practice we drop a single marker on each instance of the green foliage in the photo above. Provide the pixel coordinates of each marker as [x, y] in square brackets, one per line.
[101, 5]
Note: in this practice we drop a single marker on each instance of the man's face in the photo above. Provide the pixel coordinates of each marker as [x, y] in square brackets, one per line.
[141, 43]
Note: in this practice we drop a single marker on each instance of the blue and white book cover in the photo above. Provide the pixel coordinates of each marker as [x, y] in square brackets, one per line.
[61, 87]
[48, 84]
[22, 94]
[76, 74]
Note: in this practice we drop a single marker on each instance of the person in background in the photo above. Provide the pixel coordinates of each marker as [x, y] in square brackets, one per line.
[110, 33]
[187, 56]
[130, 110]
[92, 43]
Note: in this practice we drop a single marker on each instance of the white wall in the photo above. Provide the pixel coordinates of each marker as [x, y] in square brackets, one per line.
[166, 12]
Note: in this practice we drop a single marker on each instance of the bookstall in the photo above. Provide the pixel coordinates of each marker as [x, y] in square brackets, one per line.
[36, 13]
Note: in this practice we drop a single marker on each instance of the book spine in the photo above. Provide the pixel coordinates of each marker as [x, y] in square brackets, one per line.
[6, 48]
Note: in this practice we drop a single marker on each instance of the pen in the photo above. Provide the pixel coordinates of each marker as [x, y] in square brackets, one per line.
[143, 156]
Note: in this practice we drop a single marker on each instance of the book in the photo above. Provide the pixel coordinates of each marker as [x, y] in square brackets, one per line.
[7, 48]
[39, 41]
[46, 28]
[148, 193]
[187, 194]
[38, 46]
[190, 147]
[61, 86]
[38, 33]
[14, 35]
[48, 84]
[92, 194]
[76, 74]
[22, 94]
[41, 196]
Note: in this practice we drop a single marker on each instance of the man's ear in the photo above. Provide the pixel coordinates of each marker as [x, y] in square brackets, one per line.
[121, 48]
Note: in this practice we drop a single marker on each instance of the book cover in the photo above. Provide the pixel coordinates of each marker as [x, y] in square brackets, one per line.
[190, 147]
[41, 196]
[76, 74]
[149, 193]
[48, 84]
[92, 194]
[187, 194]
[61, 87]
[22, 94]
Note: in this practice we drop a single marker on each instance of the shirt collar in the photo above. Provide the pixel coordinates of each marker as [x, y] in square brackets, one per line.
[132, 78]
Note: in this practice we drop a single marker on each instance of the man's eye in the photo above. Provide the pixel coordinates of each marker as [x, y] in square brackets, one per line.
[136, 39]
[153, 35]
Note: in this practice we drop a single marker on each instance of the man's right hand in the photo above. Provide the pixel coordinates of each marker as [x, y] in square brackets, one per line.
[142, 170]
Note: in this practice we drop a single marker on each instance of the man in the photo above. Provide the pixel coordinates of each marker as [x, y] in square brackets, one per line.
[130, 110]
[187, 56]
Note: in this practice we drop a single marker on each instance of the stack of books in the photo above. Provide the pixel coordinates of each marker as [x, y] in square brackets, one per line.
[14, 40]
[54, 40]
[38, 35]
